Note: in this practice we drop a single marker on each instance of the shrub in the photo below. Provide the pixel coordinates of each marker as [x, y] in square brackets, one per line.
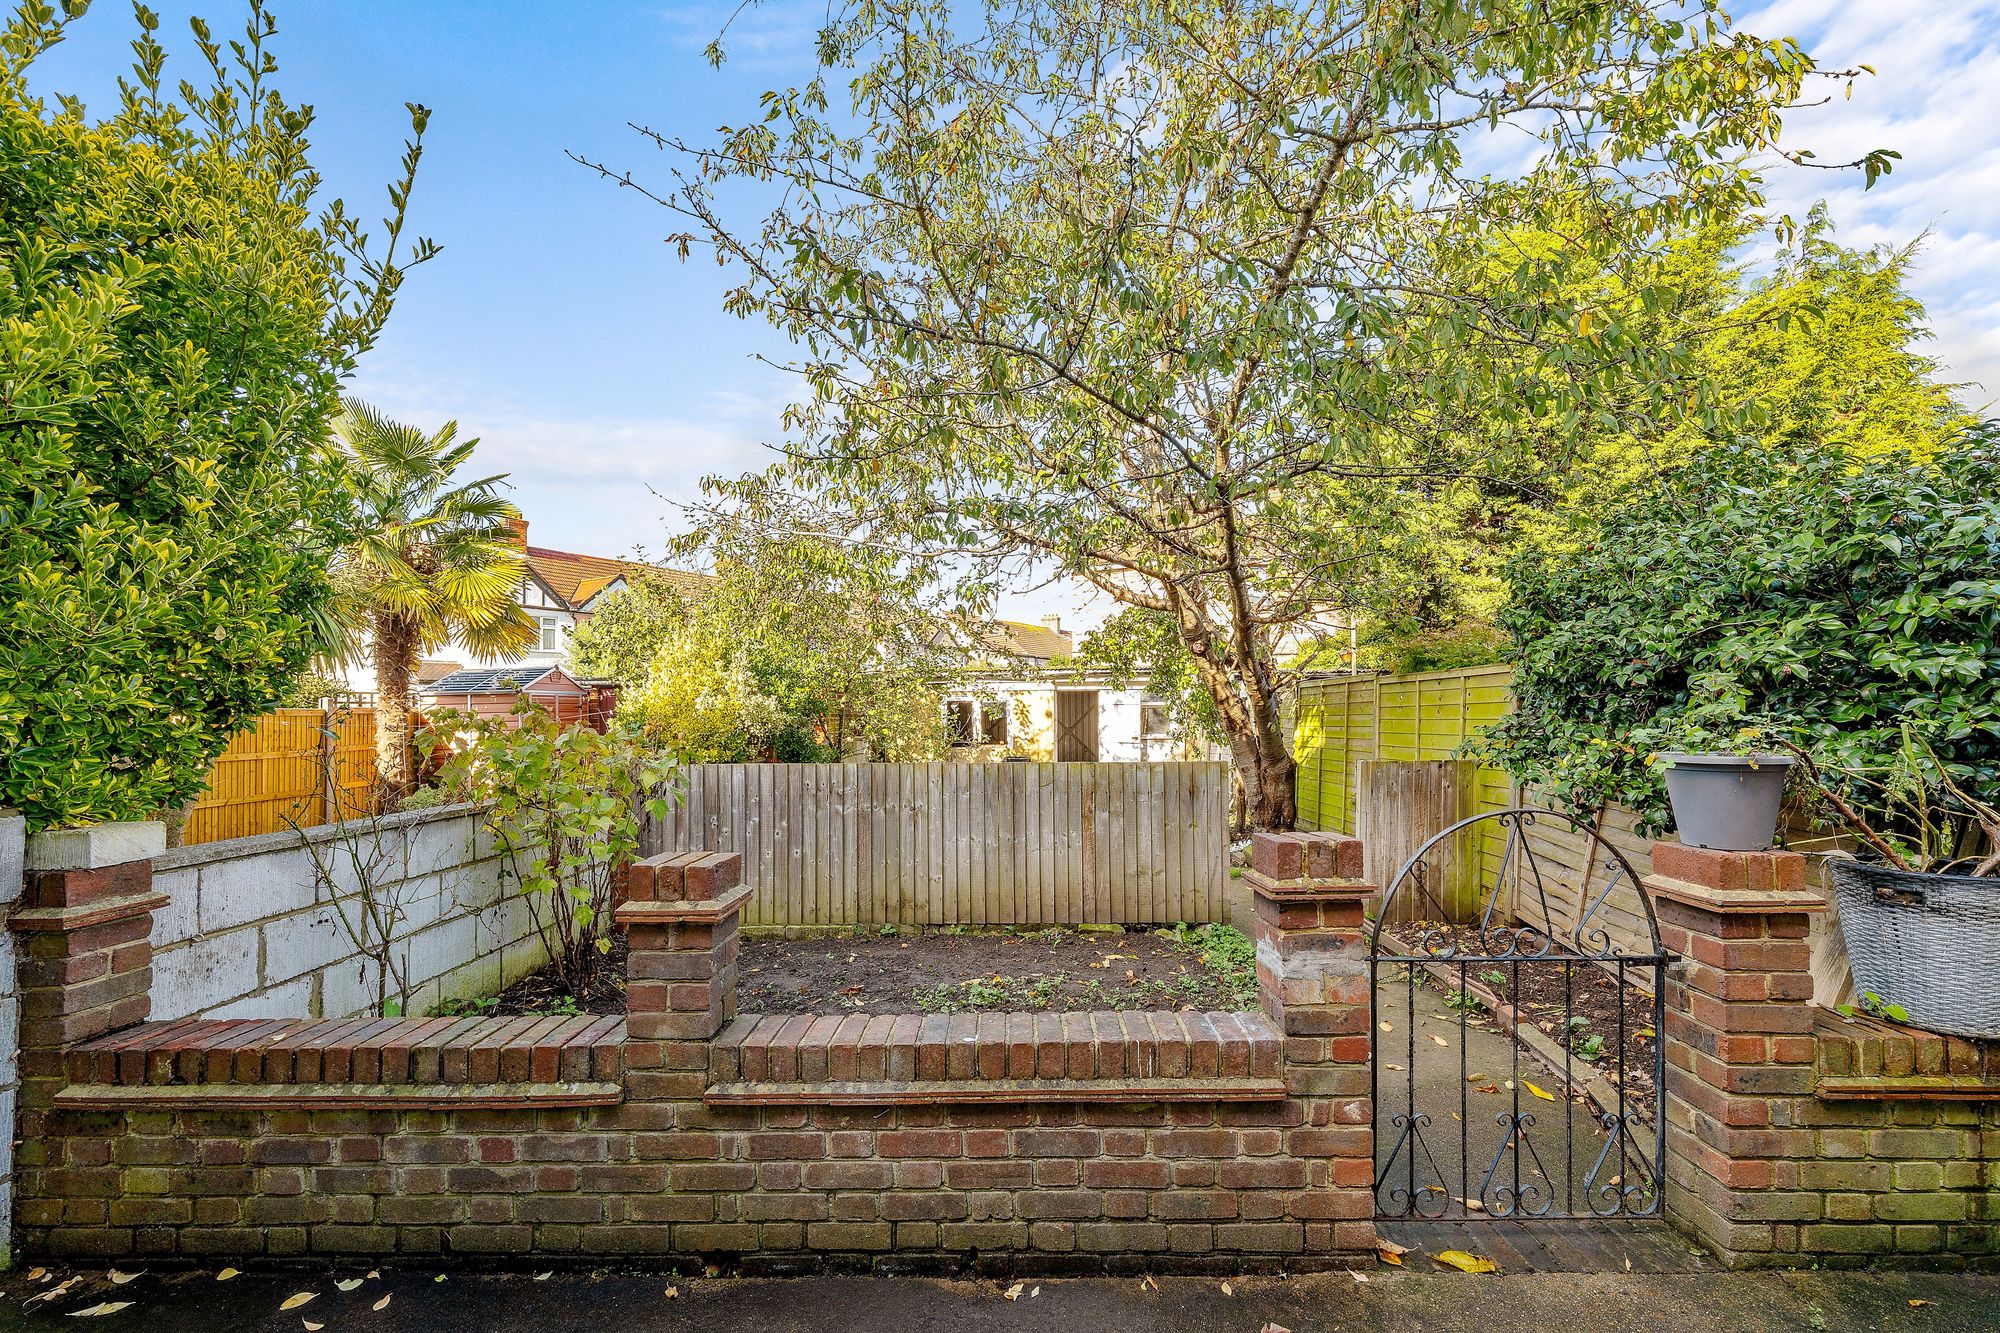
[1848, 604]
[565, 811]
[176, 315]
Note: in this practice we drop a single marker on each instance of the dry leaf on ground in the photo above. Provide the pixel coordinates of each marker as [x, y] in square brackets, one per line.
[1228, 1290]
[1390, 1257]
[1274, 1328]
[102, 1308]
[311, 1327]
[296, 1299]
[1539, 1092]
[1467, 1263]
[119, 1279]
[1013, 1293]
[348, 1284]
[1439, 1040]
[382, 1304]
[226, 1274]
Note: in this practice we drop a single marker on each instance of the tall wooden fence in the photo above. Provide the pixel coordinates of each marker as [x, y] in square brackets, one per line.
[295, 766]
[972, 844]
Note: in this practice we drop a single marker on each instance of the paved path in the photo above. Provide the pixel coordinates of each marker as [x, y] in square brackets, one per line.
[633, 1303]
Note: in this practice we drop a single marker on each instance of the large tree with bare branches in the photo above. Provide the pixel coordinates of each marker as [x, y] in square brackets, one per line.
[1213, 304]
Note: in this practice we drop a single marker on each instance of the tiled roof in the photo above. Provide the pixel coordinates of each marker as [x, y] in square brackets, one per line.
[1018, 639]
[577, 578]
[429, 670]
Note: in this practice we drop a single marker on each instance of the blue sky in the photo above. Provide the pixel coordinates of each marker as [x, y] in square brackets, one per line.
[597, 368]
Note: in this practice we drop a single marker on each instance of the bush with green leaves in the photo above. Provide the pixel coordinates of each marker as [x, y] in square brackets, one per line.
[565, 803]
[1848, 603]
[177, 312]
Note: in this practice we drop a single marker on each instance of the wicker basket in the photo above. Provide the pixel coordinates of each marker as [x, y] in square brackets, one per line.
[1930, 943]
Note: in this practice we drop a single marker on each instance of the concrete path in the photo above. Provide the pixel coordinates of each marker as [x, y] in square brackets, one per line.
[189, 1302]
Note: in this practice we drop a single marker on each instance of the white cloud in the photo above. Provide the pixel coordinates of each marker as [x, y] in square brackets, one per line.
[1934, 99]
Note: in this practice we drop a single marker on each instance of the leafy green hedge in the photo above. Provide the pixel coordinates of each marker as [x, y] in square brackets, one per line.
[1839, 597]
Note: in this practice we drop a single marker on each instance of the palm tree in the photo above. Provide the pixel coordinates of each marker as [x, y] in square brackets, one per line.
[433, 560]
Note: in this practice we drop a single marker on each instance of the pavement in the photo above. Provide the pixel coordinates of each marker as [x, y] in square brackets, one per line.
[195, 1302]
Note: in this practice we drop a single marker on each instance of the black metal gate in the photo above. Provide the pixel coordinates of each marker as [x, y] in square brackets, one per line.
[1518, 1060]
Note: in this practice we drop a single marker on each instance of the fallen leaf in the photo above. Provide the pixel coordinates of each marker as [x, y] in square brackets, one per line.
[544, 1277]
[101, 1308]
[382, 1304]
[59, 1289]
[348, 1284]
[1916, 1304]
[311, 1327]
[1397, 1068]
[1148, 1283]
[1013, 1293]
[374, 1273]
[1360, 1277]
[297, 1299]
[119, 1279]
[1390, 1257]
[438, 1278]
[1544, 1095]
[1467, 1263]
[1228, 1290]
[1391, 1246]
[1473, 1205]
[1490, 1088]
[1439, 1040]
[37, 1274]
[1475, 1078]
[226, 1274]
[1388, 1026]
[1274, 1328]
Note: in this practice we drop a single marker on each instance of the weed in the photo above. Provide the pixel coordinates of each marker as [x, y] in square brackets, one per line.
[477, 1007]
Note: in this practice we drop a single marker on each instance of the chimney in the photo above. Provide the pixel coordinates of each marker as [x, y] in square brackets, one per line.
[1052, 623]
[519, 527]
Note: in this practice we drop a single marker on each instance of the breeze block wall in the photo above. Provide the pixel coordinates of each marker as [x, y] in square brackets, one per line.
[1072, 1142]
[1795, 1134]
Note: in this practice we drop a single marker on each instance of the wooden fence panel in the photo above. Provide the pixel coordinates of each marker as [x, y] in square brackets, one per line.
[973, 844]
[282, 771]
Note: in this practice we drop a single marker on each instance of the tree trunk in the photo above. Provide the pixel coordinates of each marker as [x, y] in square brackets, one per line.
[1250, 725]
[395, 651]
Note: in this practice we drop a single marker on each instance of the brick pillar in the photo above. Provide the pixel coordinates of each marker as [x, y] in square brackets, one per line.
[84, 926]
[680, 918]
[1313, 983]
[1740, 1046]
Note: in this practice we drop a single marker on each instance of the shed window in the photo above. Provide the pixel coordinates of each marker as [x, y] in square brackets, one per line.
[993, 722]
[960, 716]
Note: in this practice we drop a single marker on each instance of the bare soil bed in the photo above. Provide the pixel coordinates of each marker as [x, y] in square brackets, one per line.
[997, 971]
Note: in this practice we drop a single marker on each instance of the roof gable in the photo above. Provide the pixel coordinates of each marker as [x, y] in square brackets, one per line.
[574, 579]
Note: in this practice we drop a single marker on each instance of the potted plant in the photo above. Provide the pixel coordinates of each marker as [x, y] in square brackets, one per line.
[1725, 767]
[1919, 898]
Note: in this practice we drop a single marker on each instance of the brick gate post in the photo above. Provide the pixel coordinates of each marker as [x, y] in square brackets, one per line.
[680, 915]
[1739, 1045]
[1312, 981]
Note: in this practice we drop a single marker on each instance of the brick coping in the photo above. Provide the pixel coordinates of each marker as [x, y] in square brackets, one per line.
[1865, 1057]
[365, 1052]
[353, 1096]
[896, 1059]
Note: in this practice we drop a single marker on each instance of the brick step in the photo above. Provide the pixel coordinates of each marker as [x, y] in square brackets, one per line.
[860, 1059]
[367, 1052]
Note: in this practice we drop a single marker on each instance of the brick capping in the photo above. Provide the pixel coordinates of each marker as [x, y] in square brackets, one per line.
[427, 1052]
[351, 1096]
[912, 1059]
[1861, 1056]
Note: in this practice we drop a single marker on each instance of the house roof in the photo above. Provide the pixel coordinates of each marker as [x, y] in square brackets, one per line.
[575, 579]
[1017, 638]
[430, 670]
[491, 680]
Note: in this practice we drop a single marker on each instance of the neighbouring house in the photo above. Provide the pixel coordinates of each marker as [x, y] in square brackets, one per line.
[1026, 700]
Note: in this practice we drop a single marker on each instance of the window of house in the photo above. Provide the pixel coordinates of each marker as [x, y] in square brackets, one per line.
[993, 722]
[551, 634]
[960, 718]
[1156, 731]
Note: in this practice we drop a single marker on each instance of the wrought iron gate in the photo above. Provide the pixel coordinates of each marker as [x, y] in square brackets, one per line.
[1551, 978]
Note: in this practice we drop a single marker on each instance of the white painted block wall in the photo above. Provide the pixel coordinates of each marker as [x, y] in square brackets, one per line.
[13, 859]
[253, 929]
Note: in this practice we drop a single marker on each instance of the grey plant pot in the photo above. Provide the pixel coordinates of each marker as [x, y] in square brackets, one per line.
[1727, 802]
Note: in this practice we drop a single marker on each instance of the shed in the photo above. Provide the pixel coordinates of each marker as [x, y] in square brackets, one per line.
[494, 691]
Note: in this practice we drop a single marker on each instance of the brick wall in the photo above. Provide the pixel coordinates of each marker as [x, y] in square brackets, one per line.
[952, 1158]
[1794, 1134]
[250, 929]
[13, 853]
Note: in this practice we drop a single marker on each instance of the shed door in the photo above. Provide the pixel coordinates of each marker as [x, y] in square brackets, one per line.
[1076, 726]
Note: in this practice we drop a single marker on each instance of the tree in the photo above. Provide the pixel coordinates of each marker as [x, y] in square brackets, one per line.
[1177, 297]
[176, 316]
[432, 560]
[1820, 352]
[808, 640]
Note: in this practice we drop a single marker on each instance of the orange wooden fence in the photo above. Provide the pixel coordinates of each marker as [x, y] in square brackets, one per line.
[295, 766]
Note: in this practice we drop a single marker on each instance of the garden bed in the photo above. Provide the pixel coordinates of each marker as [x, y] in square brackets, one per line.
[1006, 970]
